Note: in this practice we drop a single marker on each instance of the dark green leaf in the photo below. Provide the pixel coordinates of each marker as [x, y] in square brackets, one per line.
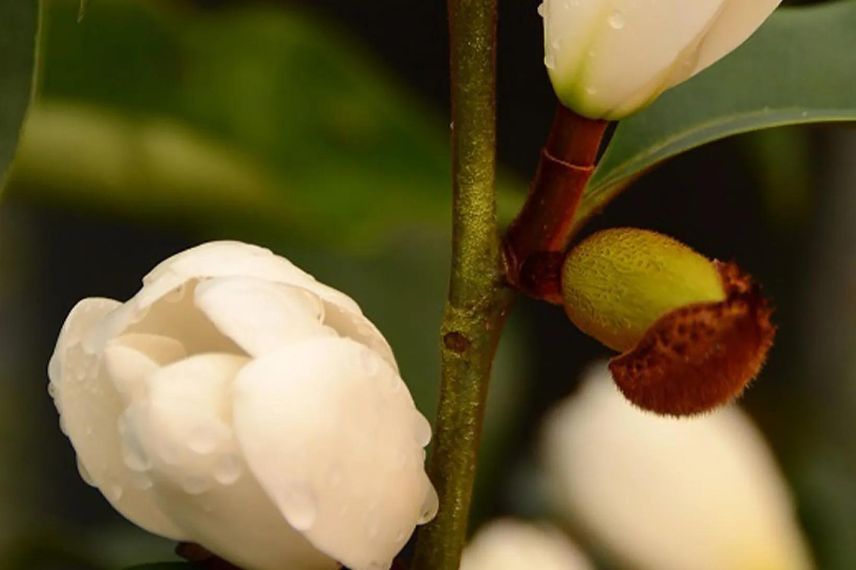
[19, 23]
[799, 68]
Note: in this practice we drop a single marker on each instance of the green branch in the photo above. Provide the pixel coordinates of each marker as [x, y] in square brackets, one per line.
[478, 298]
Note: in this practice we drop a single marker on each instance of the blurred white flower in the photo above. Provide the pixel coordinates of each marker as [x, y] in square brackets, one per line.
[609, 58]
[237, 403]
[508, 544]
[670, 494]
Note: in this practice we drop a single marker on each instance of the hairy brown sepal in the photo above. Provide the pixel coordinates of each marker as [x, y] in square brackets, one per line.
[701, 356]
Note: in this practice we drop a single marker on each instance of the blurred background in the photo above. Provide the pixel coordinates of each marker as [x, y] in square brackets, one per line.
[319, 129]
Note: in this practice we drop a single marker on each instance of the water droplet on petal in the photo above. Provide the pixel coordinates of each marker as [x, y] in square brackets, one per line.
[196, 484]
[52, 390]
[141, 481]
[133, 455]
[301, 509]
[85, 474]
[429, 506]
[421, 429]
[228, 469]
[400, 537]
[115, 492]
[550, 61]
[591, 90]
[616, 20]
[541, 9]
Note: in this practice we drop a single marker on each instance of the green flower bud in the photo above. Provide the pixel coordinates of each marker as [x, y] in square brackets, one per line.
[693, 333]
[618, 282]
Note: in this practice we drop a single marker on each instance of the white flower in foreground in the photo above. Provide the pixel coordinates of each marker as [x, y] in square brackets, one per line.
[508, 544]
[670, 494]
[237, 403]
[609, 58]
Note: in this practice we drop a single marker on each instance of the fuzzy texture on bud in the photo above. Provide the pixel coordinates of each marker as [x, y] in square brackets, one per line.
[661, 493]
[237, 403]
[509, 544]
[693, 333]
[609, 58]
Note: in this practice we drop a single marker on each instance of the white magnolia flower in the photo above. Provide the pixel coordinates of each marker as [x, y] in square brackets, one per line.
[508, 544]
[237, 403]
[670, 494]
[609, 58]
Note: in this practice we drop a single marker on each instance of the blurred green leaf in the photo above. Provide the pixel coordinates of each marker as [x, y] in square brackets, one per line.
[19, 23]
[799, 68]
[351, 155]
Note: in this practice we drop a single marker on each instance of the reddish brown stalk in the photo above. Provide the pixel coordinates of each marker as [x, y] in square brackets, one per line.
[536, 241]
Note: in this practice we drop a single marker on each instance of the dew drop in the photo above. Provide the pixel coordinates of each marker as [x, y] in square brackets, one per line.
[85, 474]
[141, 481]
[616, 20]
[115, 492]
[421, 429]
[401, 537]
[591, 90]
[196, 484]
[429, 506]
[52, 390]
[228, 469]
[542, 9]
[134, 459]
[550, 61]
[301, 509]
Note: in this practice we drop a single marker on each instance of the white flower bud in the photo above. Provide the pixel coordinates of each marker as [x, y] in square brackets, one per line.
[237, 403]
[609, 58]
[662, 493]
[508, 544]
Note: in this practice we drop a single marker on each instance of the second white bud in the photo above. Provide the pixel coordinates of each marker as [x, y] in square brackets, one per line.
[609, 58]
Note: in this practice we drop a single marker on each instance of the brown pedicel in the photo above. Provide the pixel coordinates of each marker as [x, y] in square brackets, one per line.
[698, 357]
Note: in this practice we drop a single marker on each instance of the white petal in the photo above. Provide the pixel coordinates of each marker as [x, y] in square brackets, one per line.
[633, 53]
[233, 258]
[173, 314]
[331, 433]
[670, 494]
[736, 23]
[508, 544]
[357, 327]
[131, 357]
[80, 321]
[90, 408]
[261, 316]
[199, 475]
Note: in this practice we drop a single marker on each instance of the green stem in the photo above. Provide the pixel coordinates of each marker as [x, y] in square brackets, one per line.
[478, 297]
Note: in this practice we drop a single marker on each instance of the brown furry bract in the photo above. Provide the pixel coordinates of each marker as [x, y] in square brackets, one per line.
[698, 357]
